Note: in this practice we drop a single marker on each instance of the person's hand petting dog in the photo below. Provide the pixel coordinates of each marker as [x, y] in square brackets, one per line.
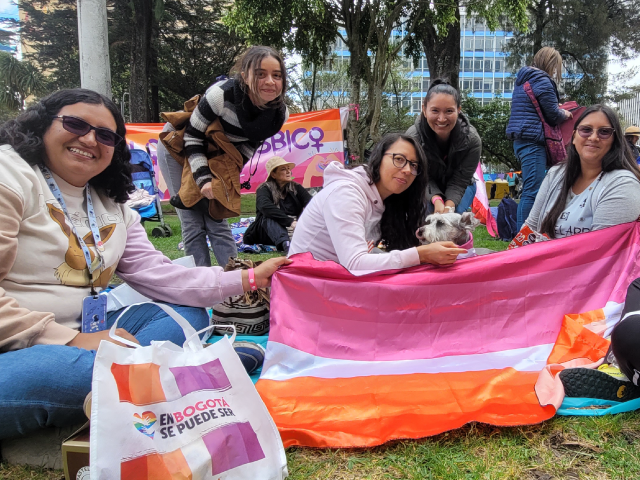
[440, 253]
[263, 272]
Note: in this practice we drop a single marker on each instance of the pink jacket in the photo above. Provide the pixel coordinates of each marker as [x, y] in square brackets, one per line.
[342, 223]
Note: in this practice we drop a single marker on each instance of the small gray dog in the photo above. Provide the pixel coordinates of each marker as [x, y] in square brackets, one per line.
[453, 227]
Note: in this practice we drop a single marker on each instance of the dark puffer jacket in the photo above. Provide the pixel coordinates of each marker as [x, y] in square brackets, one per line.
[525, 123]
[452, 172]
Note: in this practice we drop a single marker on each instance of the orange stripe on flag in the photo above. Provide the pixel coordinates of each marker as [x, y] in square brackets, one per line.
[368, 411]
[139, 384]
[588, 317]
[168, 466]
[574, 341]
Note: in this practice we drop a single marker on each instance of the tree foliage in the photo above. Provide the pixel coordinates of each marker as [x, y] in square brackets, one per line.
[194, 48]
[18, 80]
[436, 31]
[162, 52]
[310, 28]
[585, 32]
[49, 34]
[491, 122]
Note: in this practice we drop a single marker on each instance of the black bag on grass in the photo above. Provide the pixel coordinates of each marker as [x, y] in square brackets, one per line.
[507, 219]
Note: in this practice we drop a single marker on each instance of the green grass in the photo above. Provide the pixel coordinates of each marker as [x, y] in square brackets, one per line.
[169, 245]
[562, 448]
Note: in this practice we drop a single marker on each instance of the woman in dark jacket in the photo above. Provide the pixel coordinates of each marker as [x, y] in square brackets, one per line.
[452, 146]
[279, 202]
[525, 127]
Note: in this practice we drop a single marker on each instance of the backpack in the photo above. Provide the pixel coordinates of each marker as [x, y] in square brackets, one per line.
[507, 219]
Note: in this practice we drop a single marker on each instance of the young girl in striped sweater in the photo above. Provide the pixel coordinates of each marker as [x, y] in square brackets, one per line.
[251, 108]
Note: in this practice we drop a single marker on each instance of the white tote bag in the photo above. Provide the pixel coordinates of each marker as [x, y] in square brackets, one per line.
[165, 412]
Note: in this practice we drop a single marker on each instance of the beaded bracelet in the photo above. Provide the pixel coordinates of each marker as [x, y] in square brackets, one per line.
[252, 280]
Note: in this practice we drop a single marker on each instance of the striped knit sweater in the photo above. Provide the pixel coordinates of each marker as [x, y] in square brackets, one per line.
[244, 124]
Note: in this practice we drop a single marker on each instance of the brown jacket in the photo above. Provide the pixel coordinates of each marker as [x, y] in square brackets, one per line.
[225, 163]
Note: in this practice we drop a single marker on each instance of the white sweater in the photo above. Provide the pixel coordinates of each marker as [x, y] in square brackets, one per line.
[343, 219]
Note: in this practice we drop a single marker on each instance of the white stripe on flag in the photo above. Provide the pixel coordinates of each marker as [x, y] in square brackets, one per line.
[283, 363]
[612, 313]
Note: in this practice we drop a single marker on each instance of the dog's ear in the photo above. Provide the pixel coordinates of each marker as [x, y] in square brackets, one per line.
[469, 221]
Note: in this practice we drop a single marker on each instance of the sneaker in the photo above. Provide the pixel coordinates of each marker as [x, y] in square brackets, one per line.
[251, 355]
[614, 371]
[588, 383]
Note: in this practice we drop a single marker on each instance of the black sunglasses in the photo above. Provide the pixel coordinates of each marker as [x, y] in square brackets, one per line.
[79, 127]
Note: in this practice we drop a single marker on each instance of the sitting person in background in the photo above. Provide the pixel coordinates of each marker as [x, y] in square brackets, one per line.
[632, 134]
[380, 201]
[597, 187]
[64, 231]
[279, 202]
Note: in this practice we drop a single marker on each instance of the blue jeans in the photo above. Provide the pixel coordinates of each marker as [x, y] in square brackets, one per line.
[533, 161]
[465, 201]
[45, 385]
[197, 224]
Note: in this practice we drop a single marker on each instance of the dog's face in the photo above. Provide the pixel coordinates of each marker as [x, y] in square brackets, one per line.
[442, 227]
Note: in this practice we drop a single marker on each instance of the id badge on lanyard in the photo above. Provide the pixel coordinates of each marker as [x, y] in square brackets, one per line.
[94, 306]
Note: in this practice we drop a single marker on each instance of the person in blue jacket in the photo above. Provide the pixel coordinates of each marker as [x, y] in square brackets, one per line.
[525, 127]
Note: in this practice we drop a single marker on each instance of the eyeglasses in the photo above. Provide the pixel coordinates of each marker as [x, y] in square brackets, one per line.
[603, 133]
[79, 127]
[399, 161]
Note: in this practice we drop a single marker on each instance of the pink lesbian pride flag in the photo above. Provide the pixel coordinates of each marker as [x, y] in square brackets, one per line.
[480, 205]
[358, 361]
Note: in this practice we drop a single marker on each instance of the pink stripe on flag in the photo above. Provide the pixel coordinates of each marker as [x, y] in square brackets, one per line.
[480, 305]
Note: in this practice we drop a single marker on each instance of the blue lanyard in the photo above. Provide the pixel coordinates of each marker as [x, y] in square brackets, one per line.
[93, 224]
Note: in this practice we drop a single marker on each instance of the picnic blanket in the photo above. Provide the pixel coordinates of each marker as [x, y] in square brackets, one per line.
[360, 360]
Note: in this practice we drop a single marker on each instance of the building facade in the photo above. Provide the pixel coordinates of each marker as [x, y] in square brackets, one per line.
[483, 70]
[630, 110]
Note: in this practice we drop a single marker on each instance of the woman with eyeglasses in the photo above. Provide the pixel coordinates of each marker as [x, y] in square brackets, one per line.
[379, 202]
[64, 231]
[452, 146]
[597, 187]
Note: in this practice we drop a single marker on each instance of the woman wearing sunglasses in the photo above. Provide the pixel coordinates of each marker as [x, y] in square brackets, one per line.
[597, 187]
[64, 231]
[381, 201]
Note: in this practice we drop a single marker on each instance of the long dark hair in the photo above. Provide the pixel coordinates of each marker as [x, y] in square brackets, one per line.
[248, 63]
[617, 158]
[404, 212]
[25, 133]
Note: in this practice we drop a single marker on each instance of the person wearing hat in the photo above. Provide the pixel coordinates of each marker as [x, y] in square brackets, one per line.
[632, 134]
[279, 202]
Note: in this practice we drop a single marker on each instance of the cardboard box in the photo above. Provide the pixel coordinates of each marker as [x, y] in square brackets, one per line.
[75, 455]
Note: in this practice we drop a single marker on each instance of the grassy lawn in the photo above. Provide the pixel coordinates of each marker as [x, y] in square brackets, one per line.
[562, 448]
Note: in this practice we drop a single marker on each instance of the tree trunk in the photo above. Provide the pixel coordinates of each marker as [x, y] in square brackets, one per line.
[541, 17]
[141, 60]
[443, 54]
[312, 99]
[352, 12]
